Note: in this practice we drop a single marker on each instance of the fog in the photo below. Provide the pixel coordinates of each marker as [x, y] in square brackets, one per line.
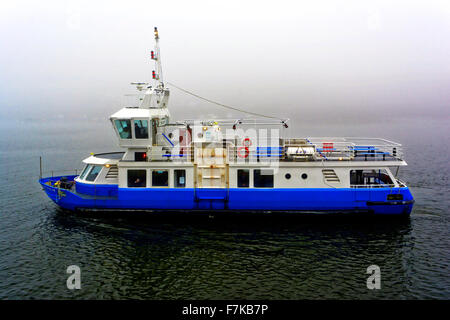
[310, 61]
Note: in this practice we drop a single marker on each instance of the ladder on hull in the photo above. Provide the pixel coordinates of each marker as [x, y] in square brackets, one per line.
[211, 178]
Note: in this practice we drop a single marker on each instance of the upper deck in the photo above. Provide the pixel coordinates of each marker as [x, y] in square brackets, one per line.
[344, 148]
[314, 149]
[311, 149]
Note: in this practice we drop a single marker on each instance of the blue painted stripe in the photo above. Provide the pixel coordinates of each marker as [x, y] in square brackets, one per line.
[168, 140]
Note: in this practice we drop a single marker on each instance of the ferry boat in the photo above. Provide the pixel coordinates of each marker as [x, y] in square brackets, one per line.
[230, 165]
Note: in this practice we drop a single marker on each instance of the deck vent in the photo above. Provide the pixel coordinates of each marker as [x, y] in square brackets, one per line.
[330, 176]
[113, 172]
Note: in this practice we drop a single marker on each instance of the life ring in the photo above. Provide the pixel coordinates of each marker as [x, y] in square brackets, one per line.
[246, 153]
[247, 142]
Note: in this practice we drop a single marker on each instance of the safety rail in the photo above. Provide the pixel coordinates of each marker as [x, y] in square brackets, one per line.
[58, 173]
[318, 149]
[174, 154]
[298, 149]
[401, 183]
[359, 149]
[255, 154]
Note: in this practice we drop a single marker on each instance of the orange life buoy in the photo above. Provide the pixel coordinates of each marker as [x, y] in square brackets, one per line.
[247, 142]
[246, 153]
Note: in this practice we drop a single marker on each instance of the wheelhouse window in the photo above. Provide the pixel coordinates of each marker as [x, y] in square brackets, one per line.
[263, 178]
[370, 177]
[85, 171]
[180, 178]
[141, 129]
[123, 128]
[137, 178]
[160, 178]
[92, 175]
[243, 178]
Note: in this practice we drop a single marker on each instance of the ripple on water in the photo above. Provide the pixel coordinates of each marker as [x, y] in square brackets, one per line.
[215, 259]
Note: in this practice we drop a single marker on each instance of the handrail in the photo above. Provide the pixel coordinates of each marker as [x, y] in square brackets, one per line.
[75, 171]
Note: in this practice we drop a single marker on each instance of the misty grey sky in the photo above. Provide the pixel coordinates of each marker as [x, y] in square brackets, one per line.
[304, 60]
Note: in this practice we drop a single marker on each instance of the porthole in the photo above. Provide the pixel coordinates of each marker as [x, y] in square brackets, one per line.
[304, 176]
[287, 176]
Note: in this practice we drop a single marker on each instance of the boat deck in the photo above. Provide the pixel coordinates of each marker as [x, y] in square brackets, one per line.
[291, 150]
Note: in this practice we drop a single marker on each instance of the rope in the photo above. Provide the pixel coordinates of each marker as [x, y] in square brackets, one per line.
[223, 105]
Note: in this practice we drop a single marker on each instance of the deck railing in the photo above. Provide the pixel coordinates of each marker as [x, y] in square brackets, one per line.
[401, 183]
[306, 149]
[58, 173]
[362, 149]
[175, 154]
[326, 148]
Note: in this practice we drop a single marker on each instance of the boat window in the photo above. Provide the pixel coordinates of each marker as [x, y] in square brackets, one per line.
[141, 129]
[140, 156]
[180, 178]
[85, 171]
[93, 173]
[263, 178]
[123, 128]
[160, 178]
[370, 177]
[243, 178]
[137, 178]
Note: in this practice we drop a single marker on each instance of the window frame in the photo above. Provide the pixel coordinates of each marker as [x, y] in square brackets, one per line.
[141, 153]
[168, 178]
[94, 166]
[255, 180]
[238, 178]
[145, 178]
[118, 132]
[370, 178]
[134, 128]
[175, 182]
[86, 170]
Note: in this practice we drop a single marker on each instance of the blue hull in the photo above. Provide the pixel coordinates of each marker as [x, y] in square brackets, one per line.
[110, 197]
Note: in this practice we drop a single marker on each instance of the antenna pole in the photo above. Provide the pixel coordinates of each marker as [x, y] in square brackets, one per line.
[40, 167]
[158, 76]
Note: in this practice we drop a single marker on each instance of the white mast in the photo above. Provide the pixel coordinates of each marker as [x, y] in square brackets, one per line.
[156, 96]
[156, 55]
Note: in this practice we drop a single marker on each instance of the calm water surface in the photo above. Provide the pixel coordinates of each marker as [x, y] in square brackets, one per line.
[216, 258]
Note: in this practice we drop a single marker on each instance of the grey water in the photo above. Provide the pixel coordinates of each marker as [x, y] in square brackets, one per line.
[126, 258]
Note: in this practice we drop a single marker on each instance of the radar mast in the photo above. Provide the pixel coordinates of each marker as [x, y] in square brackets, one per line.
[156, 95]
[157, 74]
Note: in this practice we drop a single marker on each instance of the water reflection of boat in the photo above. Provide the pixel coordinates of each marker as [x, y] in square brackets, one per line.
[230, 260]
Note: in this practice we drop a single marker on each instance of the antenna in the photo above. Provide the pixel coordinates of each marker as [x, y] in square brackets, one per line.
[156, 55]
